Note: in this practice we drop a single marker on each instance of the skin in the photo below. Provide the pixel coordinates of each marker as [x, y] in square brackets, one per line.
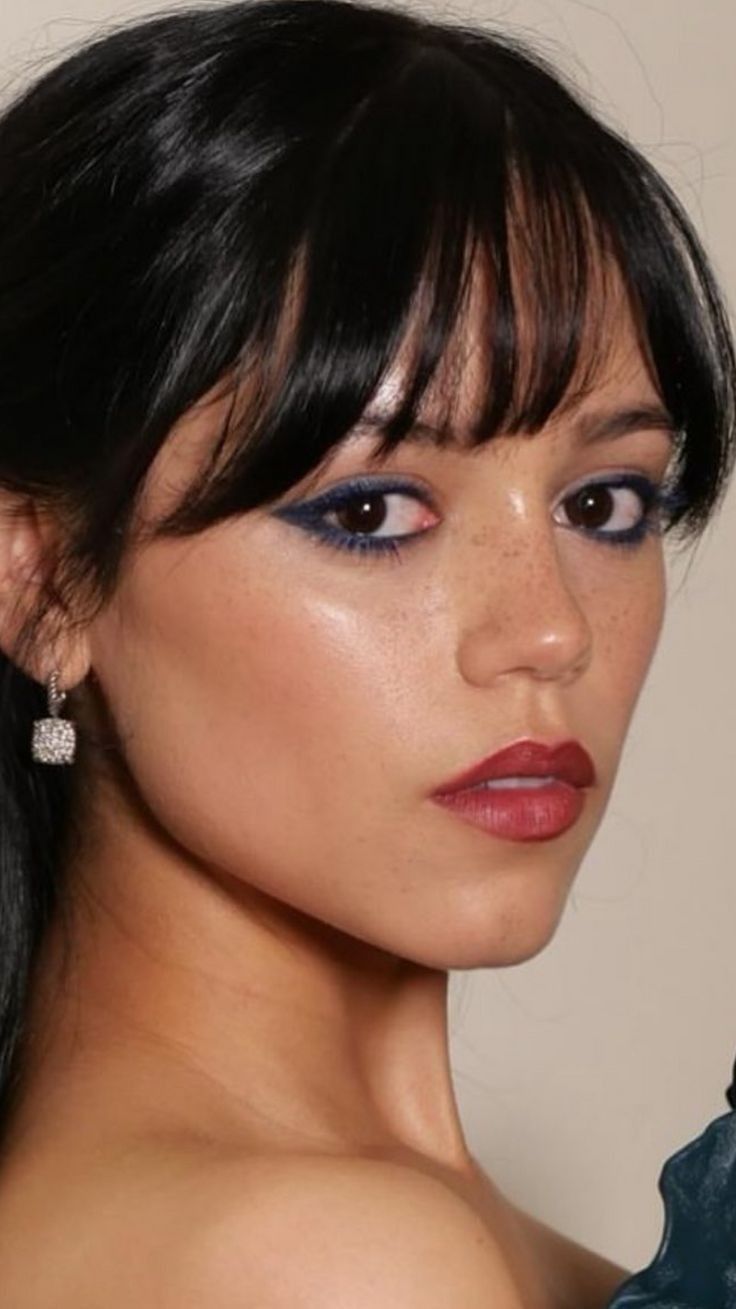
[264, 901]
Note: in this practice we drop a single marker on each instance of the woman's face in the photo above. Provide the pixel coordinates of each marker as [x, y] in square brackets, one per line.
[288, 705]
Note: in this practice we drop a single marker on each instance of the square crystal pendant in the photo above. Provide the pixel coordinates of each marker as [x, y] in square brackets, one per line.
[54, 741]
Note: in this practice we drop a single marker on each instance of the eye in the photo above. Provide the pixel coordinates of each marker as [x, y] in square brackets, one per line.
[618, 510]
[370, 515]
[380, 513]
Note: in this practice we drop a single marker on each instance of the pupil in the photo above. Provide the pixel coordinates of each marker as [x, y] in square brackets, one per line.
[364, 515]
[592, 507]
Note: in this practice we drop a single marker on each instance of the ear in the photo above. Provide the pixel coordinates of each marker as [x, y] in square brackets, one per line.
[29, 537]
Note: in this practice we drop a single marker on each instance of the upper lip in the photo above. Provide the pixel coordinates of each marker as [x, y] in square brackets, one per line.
[567, 762]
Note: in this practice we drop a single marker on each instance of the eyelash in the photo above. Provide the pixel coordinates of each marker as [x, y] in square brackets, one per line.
[657, 503]
[310, 515]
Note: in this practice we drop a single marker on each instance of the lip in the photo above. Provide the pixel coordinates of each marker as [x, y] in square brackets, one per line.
[523, 812]
[567, 762]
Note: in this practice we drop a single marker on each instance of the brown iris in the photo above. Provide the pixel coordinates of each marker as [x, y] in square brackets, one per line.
[366, 513]
[590, 508]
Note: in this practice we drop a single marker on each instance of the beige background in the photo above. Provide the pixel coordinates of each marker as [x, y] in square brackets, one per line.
[579, 1072]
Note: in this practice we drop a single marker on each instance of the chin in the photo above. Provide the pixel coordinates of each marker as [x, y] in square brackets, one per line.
[507, 932]
[520, 942]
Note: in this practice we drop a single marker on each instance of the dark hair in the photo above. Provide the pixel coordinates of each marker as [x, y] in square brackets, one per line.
[176, 189]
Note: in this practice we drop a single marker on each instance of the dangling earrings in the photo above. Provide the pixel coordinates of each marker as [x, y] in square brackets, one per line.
[54, 738]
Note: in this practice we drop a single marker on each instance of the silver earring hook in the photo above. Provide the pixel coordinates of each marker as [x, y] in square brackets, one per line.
[56, 696]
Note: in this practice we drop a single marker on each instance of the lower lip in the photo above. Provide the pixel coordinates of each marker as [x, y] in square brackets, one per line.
[527, 814]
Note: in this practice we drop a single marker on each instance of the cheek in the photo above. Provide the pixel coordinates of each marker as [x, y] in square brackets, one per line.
[626, 612]
[256, 717]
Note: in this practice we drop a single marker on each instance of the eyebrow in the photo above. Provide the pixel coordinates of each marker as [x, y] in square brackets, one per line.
[623, 422]
[591, 428]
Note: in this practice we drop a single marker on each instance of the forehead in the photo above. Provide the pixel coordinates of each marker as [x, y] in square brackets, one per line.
[612, 359]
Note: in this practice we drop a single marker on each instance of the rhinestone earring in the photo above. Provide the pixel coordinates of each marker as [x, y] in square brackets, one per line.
[54, 738]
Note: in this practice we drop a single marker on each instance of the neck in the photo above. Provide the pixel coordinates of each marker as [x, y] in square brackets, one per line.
[244, 1011]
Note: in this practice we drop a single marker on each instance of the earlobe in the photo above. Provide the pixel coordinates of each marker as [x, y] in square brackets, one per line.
[27, 554]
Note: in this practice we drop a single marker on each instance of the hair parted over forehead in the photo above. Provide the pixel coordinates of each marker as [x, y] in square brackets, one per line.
[165, 188]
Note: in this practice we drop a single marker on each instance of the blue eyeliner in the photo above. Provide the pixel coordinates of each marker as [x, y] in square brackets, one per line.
[310, 514]
[657, 505]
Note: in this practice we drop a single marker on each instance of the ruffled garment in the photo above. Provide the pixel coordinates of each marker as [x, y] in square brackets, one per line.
[695, 1267]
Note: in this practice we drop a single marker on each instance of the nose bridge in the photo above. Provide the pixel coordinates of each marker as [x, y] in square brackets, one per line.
[523, 612]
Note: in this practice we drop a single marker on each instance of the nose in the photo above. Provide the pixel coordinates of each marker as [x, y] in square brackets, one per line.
[525, 618]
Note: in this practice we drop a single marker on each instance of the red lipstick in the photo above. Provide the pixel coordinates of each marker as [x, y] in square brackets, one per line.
[526, 792]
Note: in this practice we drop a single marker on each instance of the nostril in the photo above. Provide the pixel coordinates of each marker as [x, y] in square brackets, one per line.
[538, 630]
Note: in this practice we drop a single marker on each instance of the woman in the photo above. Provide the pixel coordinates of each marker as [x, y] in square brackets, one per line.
[351, 375]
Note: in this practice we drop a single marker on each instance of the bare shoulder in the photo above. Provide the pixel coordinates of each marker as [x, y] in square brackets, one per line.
[588, 1278]
[307, 1233]
[179, 1229]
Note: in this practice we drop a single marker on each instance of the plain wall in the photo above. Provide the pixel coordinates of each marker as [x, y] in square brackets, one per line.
[580, 1071]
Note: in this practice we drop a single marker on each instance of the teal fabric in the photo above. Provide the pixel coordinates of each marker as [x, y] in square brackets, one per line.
[695, 1267]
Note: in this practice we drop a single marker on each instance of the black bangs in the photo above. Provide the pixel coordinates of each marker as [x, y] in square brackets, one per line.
[458, 152]
[302, 187]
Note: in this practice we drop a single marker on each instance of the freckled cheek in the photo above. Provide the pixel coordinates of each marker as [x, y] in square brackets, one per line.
[626, 618]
